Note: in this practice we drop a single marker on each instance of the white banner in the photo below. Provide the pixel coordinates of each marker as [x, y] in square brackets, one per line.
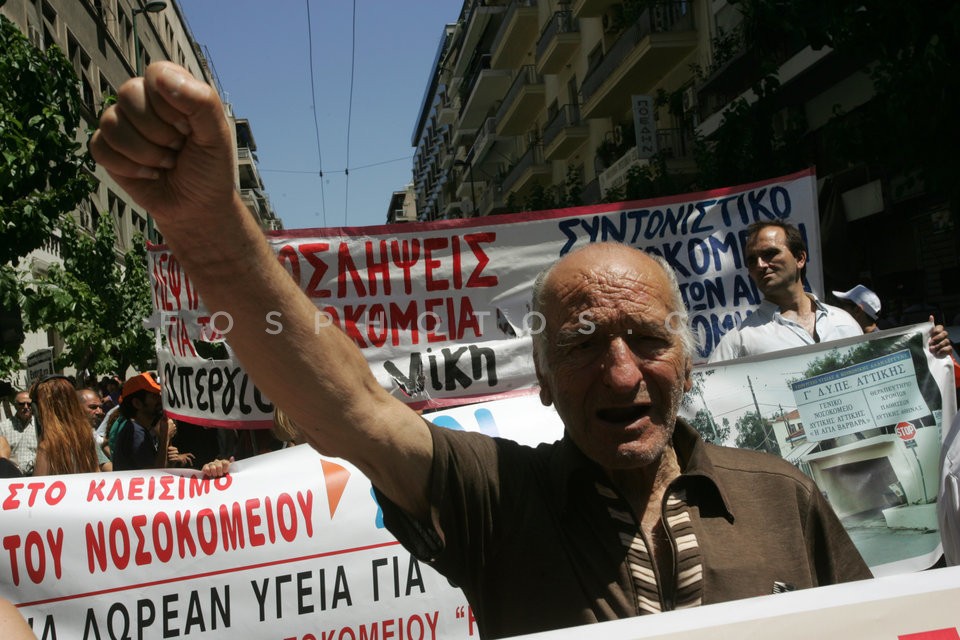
[288, 545]
[442, 310]
[919, 606]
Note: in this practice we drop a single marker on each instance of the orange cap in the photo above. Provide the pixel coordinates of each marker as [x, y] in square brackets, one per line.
[142, 382]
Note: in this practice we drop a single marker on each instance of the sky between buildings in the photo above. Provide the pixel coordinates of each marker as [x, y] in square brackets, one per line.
[261, 54]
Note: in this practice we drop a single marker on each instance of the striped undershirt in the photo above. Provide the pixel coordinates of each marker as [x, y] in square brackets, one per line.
[688, 578]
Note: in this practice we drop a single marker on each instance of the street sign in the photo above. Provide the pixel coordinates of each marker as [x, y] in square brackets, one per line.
[906, 430]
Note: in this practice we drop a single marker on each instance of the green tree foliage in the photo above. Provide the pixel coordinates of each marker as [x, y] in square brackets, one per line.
[754, 432]
[648, 181]
[751, 143]
[707, 426]
[540, 198]
[97, 305]
[42, 167]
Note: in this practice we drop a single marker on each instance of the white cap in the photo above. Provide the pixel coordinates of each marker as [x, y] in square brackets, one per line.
[863, 298]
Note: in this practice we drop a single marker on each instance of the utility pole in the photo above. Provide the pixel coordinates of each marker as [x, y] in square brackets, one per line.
[763, 424]
[713, 425]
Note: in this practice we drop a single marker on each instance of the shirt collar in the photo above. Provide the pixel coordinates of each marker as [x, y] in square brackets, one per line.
[771, 309]
[570, 466]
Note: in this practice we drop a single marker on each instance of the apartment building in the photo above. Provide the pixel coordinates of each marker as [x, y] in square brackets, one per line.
[108, 42]
[403, 206]
[530, 95]
[540, 97]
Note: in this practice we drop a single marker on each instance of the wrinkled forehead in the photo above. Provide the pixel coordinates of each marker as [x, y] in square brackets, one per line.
[605, 279]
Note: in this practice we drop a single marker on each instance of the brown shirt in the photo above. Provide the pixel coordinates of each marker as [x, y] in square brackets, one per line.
[524, 534]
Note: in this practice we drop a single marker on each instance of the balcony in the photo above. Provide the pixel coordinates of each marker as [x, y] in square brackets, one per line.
[247, 169]
[592, 8]
[515, 37]
[491, 200]
[523, 102]
[486, 139]
[731, 76]
[616, 175]
[558, 41]
[564, 133]
[529, 170]
[470, 186]
[644, 54]
[252, 201]
[447, 109]
[472, 29]
[482, 88]
[244, 134]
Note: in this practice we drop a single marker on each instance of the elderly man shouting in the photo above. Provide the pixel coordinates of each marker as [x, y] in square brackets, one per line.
[630, 513]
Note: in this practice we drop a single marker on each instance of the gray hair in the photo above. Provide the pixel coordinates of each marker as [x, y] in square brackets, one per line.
[678, 322]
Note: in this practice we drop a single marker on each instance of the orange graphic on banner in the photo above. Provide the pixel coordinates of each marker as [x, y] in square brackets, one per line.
[937, 634]
[335, 477]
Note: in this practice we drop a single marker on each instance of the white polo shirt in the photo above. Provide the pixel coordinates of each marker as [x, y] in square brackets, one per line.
[766, 330]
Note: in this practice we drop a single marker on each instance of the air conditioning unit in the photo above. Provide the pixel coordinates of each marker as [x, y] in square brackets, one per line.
[689, 99]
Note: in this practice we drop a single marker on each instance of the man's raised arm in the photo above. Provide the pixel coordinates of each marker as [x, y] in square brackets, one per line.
[167, 143]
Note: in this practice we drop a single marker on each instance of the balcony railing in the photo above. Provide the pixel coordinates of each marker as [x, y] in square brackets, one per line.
[567, 116]
[485, 136]
[559, 22]
[477, 65]
[527, 77]
[533, 156]
[660, 18]
[491, 198]
[513, 33]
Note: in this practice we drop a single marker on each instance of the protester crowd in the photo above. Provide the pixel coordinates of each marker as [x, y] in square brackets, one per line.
[630, 513]
[62, 425]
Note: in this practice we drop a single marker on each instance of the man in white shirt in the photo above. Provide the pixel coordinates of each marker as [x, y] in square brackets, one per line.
[776, 258]
[20, 432]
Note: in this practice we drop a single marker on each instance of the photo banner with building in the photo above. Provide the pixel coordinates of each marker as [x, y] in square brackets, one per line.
[864, 417]
[442, 310]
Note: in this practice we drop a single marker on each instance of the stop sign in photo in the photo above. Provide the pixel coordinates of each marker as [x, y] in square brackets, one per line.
[906, 431]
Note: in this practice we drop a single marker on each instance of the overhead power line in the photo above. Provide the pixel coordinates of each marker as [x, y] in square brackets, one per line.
[313, 106]
[343, 171]
[353, 58]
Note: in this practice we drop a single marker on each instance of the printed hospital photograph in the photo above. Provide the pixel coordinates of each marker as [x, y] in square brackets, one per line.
[863, 420]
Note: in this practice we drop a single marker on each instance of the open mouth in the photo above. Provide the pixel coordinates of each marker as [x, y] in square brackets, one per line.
[623, 415]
